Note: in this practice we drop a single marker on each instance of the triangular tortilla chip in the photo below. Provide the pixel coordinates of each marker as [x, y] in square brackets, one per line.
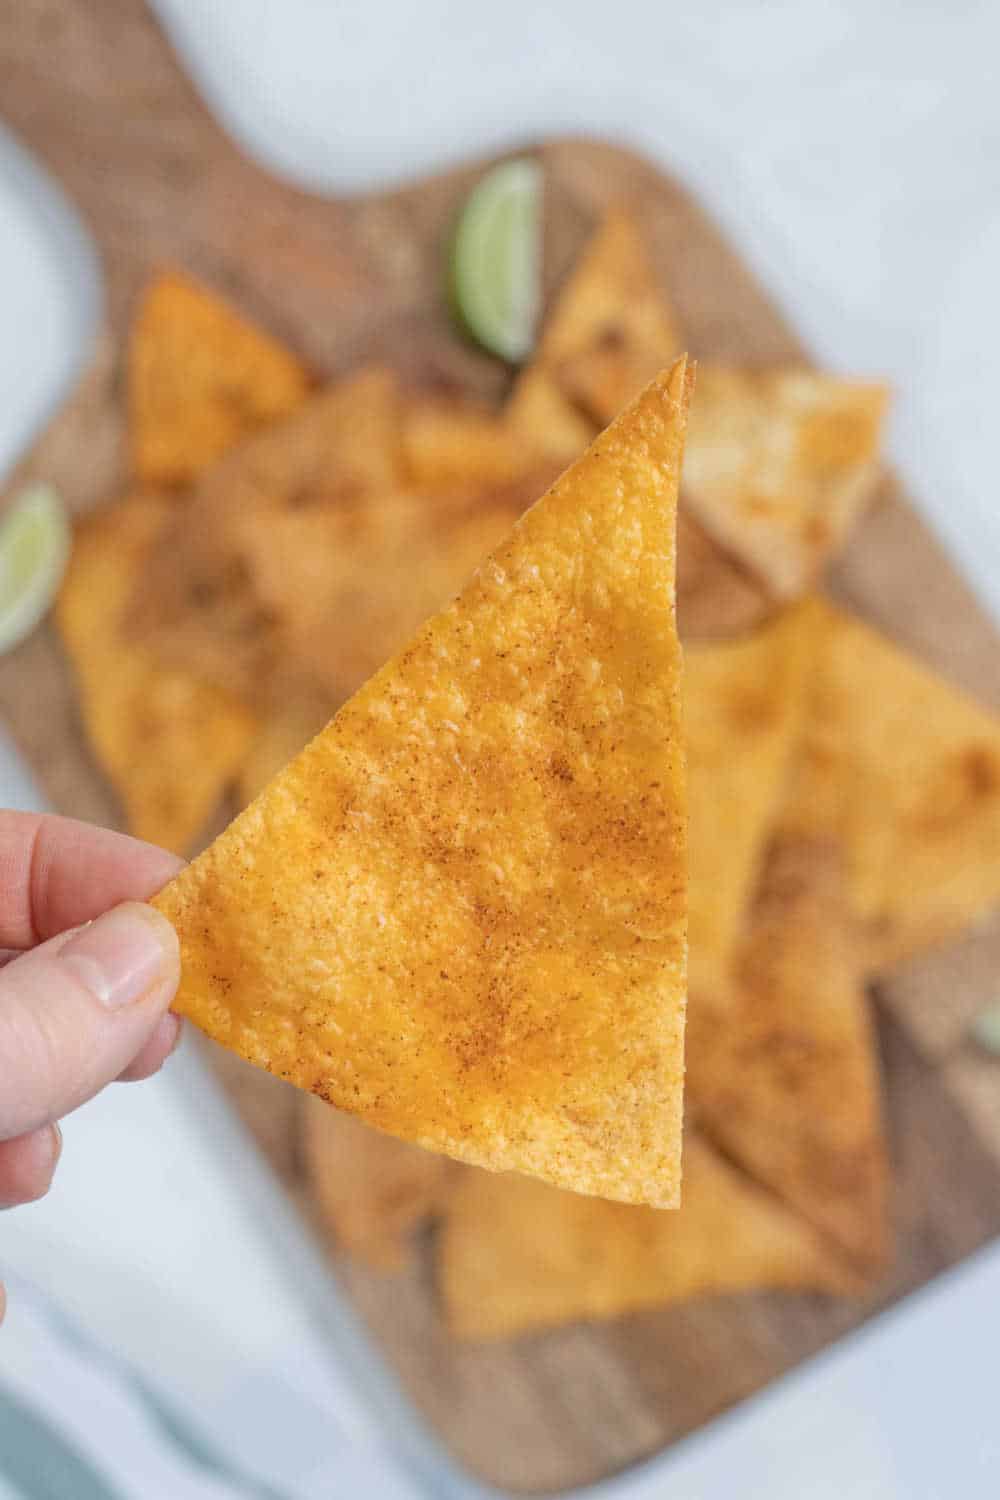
[169, 743]
[744, 702]
[611, 328]
[779, 465]
[450, 443]
[460, 913]
[516, 1255]
[200, 377]
[283, 733]
[348, 587]
[544, 420]
[905, 769]
[716, 597]
[198, 602]
[371, 1189]
[785, 1076]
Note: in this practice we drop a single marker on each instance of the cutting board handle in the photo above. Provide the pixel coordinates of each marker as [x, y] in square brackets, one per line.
[95, 93]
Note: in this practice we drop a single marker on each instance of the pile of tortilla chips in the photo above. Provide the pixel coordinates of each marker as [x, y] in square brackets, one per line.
[282, 540]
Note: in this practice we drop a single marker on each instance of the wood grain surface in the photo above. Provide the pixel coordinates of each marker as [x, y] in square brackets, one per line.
[93, 89]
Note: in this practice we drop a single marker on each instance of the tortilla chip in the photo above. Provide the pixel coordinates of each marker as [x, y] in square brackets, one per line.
[349, 587]
[744, 703]
[371, 1189]
[198, 602]
[611, 328]
[449, 443]
[281, 736]
[905, 769]
[460, 913]
[779, 465]
[544, 419]
[517, 1255]
[716, 598]
[200, 378]
[168, 742]
[785, 1078]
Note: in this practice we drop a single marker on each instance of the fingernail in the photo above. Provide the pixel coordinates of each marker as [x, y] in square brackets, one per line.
[178, 1034]
[120, 956]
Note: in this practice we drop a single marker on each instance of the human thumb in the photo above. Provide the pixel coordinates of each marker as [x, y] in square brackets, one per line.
[76, 1010]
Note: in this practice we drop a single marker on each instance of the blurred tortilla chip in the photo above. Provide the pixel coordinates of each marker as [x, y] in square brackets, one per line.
[169, 743]
[343, 442]
[371, 1189]
[452, 444]
[350, 586]
[544, 420]
[611, 328]
[198, 602]
[460, 913]
[200, 378]
[744, 703]
[785, 1076]
[779, 465]
[283, 732]
[904, 768]
[716, 598]
[516, 1255]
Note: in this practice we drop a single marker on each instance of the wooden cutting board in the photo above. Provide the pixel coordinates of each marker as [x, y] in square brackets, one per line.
[94, 91]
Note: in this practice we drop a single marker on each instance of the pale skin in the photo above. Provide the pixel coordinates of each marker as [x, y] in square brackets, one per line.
[87, 974]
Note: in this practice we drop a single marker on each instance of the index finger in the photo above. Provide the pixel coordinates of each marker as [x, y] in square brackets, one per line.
[56, 873]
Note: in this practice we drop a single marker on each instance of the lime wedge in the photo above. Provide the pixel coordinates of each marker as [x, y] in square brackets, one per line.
[495, 266]
[986, 1029]
[34, 550]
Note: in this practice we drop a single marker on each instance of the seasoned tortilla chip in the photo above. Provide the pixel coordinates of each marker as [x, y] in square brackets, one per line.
[343, 442]
[349, 587]
[371, 1189]
[460, 913]
[744, 702]
[779, 465]
[200, 377]
[517, 1255]
[611, 328]
[545, 420]
[905, 769]
[282, 734]
[169, 743]
[450, 443]
[198, 602]
[785, 1076]
[608, 334]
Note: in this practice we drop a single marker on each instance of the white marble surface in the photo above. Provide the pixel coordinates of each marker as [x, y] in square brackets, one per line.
[852, 150]
[49, 298]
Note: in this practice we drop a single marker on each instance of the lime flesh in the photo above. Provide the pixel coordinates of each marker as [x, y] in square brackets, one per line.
[496, 259]
[34, 550]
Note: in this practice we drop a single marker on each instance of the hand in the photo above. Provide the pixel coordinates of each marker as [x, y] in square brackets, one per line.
[80, 1005]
